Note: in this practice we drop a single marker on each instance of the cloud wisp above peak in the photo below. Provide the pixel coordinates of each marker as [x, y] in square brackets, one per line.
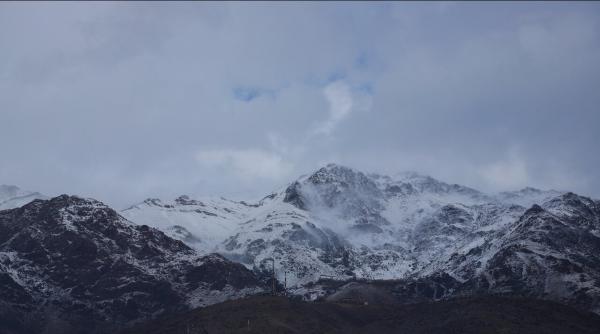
[340, 102]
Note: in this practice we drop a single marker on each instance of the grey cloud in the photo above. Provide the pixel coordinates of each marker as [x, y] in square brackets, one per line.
[119, 100]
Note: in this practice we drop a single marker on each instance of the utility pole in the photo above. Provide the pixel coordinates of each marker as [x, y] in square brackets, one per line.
[273, 279]
[285, 283]
[272, 276]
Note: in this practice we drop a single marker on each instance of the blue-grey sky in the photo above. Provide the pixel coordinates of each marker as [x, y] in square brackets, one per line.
[123, 101]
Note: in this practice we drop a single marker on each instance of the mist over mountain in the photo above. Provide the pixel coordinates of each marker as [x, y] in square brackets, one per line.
[13, 196]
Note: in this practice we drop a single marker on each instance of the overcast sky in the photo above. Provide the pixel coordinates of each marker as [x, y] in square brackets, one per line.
[123, 101]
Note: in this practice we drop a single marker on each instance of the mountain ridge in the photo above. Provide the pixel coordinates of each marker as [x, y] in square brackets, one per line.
[75, 265]
[423, 239]
[339, 222]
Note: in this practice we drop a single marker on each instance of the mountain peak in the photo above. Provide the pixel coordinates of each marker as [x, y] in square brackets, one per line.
[65, 200]
[337, 168]
[332, 173]
[186, 200]
[570, 201]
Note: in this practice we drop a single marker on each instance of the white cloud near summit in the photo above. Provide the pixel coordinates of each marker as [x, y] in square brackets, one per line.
[507, 174]
[245, 164]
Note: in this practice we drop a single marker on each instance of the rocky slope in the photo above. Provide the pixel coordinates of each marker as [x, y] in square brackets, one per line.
[70, 265]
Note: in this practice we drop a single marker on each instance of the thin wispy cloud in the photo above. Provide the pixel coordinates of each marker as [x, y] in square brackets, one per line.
[340, 102]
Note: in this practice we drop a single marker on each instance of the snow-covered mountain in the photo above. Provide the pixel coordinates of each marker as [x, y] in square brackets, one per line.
[14, 197]
[74, 265]
[433, 239]
[341, 223]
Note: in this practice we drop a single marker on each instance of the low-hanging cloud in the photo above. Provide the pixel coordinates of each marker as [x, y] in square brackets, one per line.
[246, 164]
[507, 174]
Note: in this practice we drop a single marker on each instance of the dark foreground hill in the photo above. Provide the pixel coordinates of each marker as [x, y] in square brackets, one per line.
[473, 315]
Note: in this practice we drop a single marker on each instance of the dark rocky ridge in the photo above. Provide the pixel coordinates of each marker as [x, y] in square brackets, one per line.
[70, 265]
